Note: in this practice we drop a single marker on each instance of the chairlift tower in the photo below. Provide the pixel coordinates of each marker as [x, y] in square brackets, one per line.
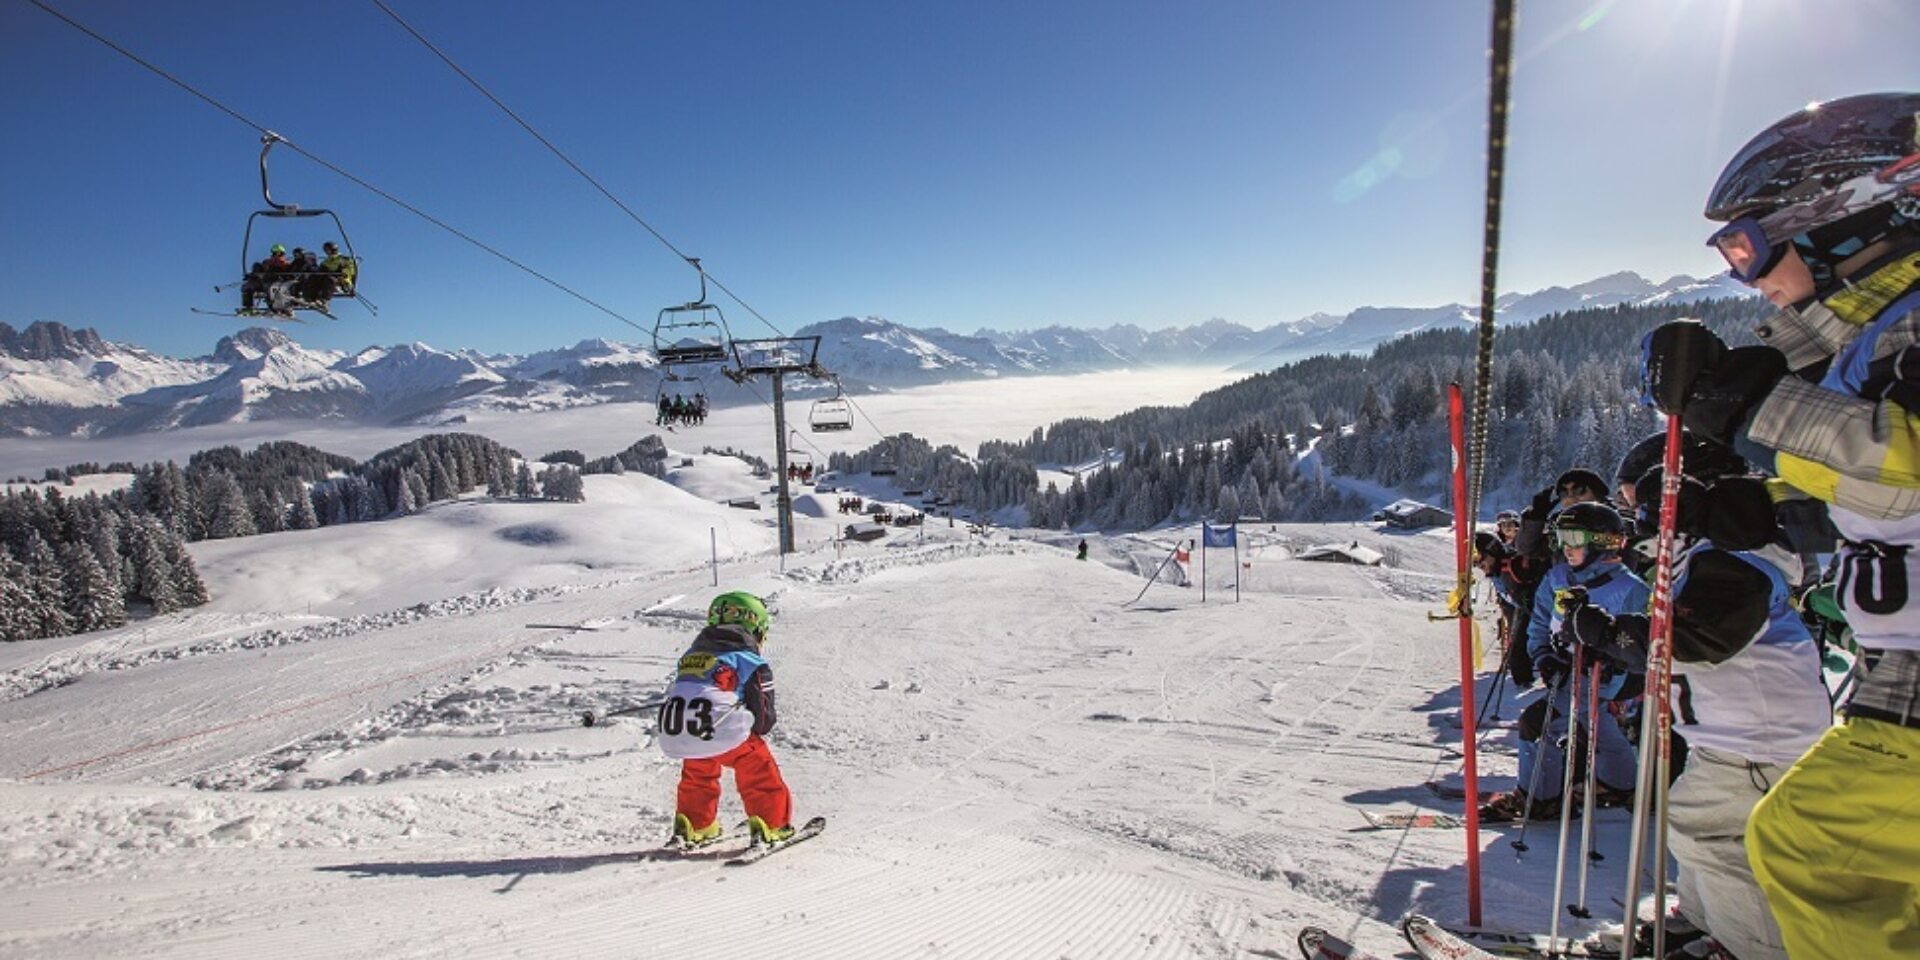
[775, 357]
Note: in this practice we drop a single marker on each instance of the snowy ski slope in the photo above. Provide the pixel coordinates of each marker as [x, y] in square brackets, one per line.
[1014, 763]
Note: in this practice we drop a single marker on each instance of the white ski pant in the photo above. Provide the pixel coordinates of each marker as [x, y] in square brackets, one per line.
[1707, 812]
[1616, 765]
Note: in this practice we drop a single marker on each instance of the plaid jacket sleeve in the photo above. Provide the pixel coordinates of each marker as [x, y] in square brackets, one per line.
[1852, 452]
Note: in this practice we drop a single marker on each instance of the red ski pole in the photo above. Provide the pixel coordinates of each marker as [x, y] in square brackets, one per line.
[1463, 609]
[1656, 718]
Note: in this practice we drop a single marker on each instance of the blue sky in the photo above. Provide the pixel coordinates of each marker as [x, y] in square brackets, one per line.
[940, 164]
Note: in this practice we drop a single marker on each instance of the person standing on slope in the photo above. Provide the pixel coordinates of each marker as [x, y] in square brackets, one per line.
[716, 715]
[1820, 211]
[1589, 537]
[1754, 699]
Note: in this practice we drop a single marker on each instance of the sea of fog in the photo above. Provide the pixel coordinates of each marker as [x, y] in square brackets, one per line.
[963, 414]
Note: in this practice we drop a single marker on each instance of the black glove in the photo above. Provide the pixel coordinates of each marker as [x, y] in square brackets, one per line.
[1674, 356]
[1543, 504]
[1570, 600]
[1592, 628]
[1551, 668]
[1725, 395]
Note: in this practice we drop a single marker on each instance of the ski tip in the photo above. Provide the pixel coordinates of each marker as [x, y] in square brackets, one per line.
[1317, 943]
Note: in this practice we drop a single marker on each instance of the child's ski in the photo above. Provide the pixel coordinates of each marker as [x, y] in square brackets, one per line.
[1498, 943]
[1317, 944]
[760, 851]
[1434, 942]
[675, 846]
[1454, 791]
[1402, 821]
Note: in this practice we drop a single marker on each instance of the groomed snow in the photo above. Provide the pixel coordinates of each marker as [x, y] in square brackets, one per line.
[1015, 761]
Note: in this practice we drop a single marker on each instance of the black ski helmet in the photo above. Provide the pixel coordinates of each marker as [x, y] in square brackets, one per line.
[1699, 457]
[1803, 157]
[1591, 518]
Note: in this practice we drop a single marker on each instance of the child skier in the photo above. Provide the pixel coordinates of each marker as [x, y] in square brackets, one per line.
[715, 715]
[1755, 699]
[1589, 537]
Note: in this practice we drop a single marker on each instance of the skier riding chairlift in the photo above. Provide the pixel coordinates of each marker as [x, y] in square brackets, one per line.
[291, 287]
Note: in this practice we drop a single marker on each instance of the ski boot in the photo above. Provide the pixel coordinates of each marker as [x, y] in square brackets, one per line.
[1513, 807]
[1681, 934]
[685, 834]
[1605, 796]
[763, 834]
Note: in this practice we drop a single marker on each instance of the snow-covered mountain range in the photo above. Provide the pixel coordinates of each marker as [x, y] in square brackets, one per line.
[57, 381]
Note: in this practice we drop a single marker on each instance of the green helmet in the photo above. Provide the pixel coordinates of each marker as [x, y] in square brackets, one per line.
[741, 608]
[279, 249]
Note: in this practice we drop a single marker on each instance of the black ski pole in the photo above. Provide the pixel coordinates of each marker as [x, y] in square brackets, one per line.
[1588, 855]
[1519, 843]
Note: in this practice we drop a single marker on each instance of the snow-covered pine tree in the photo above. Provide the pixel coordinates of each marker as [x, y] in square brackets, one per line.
[93, 602]
[523, 484]
[408, 504]
[563, 483]
[301, 516]
[224, 508]
[16, 619]
[44, 582]
[187, 584]
[152, 574]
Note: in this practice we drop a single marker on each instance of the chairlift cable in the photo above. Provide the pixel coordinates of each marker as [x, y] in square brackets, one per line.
[556, 151]
[707, 276]
[356, 180]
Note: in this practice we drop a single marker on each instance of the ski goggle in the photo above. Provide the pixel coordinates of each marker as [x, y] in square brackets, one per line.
[1562, 539]
[1744, 245]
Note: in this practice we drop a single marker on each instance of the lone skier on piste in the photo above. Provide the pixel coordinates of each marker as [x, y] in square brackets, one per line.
[715, 716]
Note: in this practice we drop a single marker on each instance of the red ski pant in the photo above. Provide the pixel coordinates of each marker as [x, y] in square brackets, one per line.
[755, 774]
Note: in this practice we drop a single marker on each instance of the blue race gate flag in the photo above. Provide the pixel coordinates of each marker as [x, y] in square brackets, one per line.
[1219, 536]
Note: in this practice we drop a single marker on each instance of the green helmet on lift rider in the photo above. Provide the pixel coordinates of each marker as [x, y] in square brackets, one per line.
[740, 608]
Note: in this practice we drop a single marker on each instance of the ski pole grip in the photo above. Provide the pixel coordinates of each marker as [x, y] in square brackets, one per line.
[1673, 356]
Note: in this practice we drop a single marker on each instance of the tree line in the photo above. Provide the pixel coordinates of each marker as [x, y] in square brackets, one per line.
[1286, 444]
[77, 564]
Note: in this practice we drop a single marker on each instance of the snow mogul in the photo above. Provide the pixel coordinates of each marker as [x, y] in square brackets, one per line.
[716, 716]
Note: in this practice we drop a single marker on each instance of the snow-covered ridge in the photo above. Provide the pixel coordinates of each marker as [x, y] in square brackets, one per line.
[57, 381]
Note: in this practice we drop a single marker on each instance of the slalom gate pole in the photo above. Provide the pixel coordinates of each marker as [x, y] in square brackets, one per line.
[1156, 576]
[1463, 591]
[1656, 711]
[1588, 857]
[1566, 801]
[1236, 561]
[1204, 532]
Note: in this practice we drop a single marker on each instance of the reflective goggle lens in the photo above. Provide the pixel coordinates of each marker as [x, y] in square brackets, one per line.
[1585, 538]
[1743, 244]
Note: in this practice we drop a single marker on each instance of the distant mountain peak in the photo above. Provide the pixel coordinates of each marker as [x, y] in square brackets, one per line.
[248, 344]
[47, 340]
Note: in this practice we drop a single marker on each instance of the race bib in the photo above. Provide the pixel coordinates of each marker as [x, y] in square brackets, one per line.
[699, 720]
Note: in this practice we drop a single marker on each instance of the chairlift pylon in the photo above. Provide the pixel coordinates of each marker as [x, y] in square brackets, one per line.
[289, 290]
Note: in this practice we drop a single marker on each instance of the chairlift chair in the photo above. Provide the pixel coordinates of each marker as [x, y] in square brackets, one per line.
[832, 414]
[691, 333]
[288, 293]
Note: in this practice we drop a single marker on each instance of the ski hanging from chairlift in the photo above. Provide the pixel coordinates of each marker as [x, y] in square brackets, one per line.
[282, 284]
